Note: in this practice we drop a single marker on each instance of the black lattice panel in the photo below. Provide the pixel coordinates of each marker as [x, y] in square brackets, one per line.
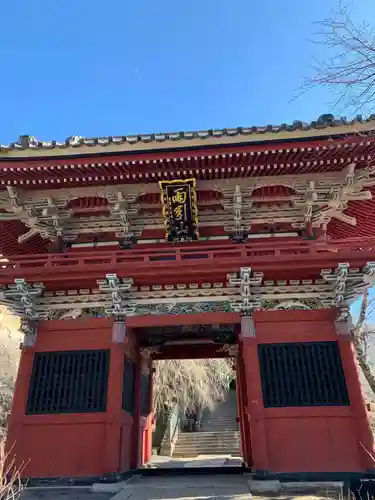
[69, 382]
[145, 390]
[302, 374]
[128, 386]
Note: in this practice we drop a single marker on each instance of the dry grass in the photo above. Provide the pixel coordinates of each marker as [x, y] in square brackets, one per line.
[10, 475]
[10, 339]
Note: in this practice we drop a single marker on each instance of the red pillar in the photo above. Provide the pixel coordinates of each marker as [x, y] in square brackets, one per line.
[254, 395]
[19, 404]
[146, 420]
[241, 409]
[114, 408]
[148, 440]
[17, 416]
[136, 435]
[357, 401]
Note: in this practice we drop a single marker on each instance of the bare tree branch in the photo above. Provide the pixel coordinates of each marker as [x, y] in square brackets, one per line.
[349, 65]
[362, 314]
[193, 382]
[361, 334]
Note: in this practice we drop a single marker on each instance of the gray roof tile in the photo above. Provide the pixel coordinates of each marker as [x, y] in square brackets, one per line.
[323, 122]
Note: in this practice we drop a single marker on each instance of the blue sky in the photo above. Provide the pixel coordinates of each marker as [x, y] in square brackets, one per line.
[355, 310]
[110, 68]
[95, 68]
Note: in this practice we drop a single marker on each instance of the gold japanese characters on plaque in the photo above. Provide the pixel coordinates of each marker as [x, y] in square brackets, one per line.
[179, 203]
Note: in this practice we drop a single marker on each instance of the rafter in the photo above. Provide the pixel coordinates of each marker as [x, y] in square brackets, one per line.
[315, 202]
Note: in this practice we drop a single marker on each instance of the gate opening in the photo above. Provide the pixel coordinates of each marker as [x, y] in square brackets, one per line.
[195, 403]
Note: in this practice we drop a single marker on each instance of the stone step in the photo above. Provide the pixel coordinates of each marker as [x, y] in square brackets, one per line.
[222, 444]
[209, 426]
[224, 422]
[219, 427]
[208, 451]
[225, 414]
[213, 437]
[208, 446]
[213, 444]
[218, 433]
[207, 423]
[233, 453]
[219, 420]
[209, 434]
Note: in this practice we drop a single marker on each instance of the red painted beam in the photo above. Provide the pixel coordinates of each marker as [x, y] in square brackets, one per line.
[208, 318]
[191, 352]
[197, 262]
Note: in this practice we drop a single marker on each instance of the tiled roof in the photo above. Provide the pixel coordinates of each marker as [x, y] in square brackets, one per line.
[323, 123]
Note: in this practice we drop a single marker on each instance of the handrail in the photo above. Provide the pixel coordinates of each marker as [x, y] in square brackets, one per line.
[172, 430]
[192, 248]
[185, 254]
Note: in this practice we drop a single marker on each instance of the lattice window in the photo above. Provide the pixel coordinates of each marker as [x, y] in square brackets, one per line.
[145, 389]
[69, 382]
[302, 374]
[128, 386]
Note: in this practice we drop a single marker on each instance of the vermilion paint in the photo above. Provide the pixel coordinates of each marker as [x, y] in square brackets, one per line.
[309, 439]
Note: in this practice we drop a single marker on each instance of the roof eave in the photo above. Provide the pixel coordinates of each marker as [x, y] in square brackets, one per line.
[186, 140]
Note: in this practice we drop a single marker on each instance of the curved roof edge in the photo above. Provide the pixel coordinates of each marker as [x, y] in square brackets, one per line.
[325, 127]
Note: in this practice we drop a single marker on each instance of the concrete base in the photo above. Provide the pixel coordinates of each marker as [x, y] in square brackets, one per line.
[217, 486]
[207, 461]
[311, 486]
[112, 487]
[301, 487]
[264, 486]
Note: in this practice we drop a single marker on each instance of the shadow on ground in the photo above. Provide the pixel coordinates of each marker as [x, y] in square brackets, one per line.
[64, 494]
[212, 487]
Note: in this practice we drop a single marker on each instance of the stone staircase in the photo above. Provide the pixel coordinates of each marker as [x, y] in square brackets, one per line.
[218, 433]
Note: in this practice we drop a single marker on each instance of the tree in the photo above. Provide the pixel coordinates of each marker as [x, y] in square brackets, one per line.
[10, 339]
[193, 383]
[362, 334]
[348, 67]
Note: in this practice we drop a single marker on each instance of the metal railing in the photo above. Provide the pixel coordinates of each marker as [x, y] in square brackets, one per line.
[172, 430]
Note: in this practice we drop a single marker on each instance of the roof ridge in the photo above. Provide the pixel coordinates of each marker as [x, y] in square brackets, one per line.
[324, 121]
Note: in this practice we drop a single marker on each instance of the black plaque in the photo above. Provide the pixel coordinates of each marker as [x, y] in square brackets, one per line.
[179, 202]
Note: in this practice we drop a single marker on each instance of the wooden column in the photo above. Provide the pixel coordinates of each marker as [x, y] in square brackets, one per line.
[136, 437]
[241, 412]
[255, 409]
[357, 402]
[17, 416]
[146, 419]
[114, 400]
[148, 447]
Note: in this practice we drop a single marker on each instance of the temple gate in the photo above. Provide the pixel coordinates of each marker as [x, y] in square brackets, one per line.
[251, 243]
